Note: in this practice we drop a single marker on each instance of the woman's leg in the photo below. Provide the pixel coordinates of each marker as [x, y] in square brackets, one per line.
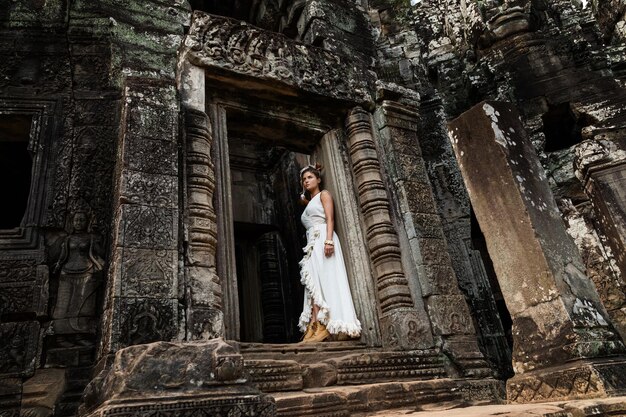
[315, 309]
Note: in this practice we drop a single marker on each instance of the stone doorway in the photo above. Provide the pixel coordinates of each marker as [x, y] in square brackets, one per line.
[260, 150]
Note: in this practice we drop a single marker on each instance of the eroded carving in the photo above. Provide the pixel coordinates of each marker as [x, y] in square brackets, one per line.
[236, 46]
[78, 269]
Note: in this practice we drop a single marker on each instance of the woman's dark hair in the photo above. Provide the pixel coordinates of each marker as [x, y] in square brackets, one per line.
[316, 170]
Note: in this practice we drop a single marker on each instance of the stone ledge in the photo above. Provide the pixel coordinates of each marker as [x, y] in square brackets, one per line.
[363, 399]
[581, 408]
[577, 380]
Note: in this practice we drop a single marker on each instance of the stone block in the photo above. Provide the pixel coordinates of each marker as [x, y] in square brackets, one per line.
[70, 357]
[204, 322]
[410, 165]
[144, 320]
[23, 297]
[153, 121]
[576, 380]
[419, 196]
[449, 314]
[91, 111]
[148, 227]
[148, 273]
[428, 225]
[405, 329]
[182, 379]
[556, 311]
[274, 375]
[434, 251]
[318, 404]
[151, 156]
[319, 375]
[153, 189]
[19, 349]
[466, 357]
[438, 279]
[42, 392]
[606, 189]
[10, 396]
[382, 366]
[381, 397]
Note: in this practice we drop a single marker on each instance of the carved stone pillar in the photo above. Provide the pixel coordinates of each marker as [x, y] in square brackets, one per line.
[561, 330]
[601, 167]
[203, 291]
[401, 326]
[141, 304]
[429, 266]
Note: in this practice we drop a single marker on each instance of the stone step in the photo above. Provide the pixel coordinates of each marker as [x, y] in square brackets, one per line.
[359, 400]
[340, 367]
[274, 375]
[301, 352]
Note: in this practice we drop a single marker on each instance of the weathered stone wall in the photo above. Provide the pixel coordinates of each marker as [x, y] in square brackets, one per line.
[124, 165]
[103, 76]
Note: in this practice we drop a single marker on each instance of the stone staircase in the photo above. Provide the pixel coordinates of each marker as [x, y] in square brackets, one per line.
[350, 379]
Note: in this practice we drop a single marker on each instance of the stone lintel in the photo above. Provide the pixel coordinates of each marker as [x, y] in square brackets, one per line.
[556, 312]
[232, 48]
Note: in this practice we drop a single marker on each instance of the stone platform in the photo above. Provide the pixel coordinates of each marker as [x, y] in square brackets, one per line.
[603, 407]
[347, 378]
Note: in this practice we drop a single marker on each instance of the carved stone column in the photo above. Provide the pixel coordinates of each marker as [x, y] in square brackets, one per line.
[203, 291]
[601, 167]
[141, 304]
[401, 326]
[561, 331]
[429, 266]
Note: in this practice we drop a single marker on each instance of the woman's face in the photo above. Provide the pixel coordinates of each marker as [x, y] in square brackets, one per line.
[310, 182]
[80, 222]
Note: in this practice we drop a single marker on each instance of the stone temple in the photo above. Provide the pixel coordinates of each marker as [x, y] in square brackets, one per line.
[150, 234]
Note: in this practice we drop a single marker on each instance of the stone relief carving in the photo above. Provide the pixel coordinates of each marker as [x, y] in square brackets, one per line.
[78, 270]
[146, 320]
[236, 46]
[18, 348]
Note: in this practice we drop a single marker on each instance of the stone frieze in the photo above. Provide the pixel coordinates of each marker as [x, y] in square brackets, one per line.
[235, 46]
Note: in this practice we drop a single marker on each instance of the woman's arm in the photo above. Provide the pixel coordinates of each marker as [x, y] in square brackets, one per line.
[327, 204]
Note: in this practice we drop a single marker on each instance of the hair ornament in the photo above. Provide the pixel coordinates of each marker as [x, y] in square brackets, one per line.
[316, 167]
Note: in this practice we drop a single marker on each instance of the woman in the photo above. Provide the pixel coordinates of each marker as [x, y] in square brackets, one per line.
[328, 307]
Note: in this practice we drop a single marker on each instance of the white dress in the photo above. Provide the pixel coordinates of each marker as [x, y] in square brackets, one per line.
[324, 278]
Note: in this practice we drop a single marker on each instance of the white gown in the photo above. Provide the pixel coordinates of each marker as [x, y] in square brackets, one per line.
[324, 278]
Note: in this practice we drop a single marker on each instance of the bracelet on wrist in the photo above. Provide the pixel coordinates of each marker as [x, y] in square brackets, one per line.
[329, 242]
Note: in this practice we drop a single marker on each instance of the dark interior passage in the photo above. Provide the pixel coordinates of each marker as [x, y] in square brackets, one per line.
[268, 239]
[562, 126]
[503, 361]
[15, 168]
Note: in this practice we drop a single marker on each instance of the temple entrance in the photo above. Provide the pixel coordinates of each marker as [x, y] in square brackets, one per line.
[260, 148]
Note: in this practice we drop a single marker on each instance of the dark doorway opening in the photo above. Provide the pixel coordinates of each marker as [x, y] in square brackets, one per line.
[562, 126]
[503, 360]
[15, 168]
[268, 239]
